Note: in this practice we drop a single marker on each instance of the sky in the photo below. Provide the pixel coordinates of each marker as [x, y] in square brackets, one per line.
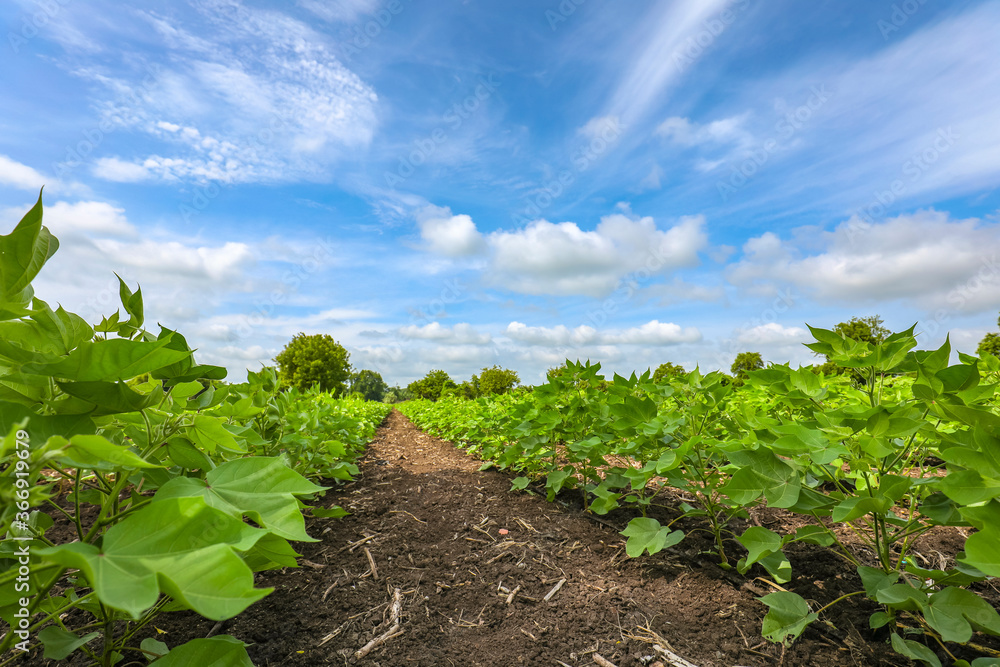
[459, 184]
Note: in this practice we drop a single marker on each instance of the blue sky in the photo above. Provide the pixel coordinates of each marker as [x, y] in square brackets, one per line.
[455, 185]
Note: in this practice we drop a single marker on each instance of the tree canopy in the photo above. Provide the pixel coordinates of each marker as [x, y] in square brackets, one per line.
[369, 384]
[868, 329]
[308, 361]
[743, 364]
[667, 370]
[432, 386]
[990, 344]
[495, 380]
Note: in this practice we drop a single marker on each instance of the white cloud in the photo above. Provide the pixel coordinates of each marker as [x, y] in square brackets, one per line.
[255, 96]
[120, 171]
[449, 235]
[924, 258]
[653, 67]
[683, 132]
[773, 334]
[598, 127]
[342, 11]
[652, 333]
[20, 176]
[460, 334]
[562, 259]
[95, 218]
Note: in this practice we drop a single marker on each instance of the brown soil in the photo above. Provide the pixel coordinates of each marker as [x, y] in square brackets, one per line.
[474, 564]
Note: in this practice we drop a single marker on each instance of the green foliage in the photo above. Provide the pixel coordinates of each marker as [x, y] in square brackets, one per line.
[432, 386]
[165, 465]
[743, 364]
[868, 329]
[494, 380]
[990, 344]
[369, 384]
[903, 443]
[665, 371]
[316, 360]
[397, 395]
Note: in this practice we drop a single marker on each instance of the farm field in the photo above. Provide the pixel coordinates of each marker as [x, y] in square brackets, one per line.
[431, 522]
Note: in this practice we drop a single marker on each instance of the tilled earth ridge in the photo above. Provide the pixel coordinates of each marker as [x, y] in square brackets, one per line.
[478, 570]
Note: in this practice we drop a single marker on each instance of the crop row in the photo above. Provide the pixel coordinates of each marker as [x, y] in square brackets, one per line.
[170, 487]
[905, 443]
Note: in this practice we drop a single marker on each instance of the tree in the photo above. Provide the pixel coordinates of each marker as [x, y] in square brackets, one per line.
[667, 370]
[990, 344]
[495, 380]
[369, 384]
[397, 395]
[309, 361]
[432, 386]
[744, 363]
[865, 329]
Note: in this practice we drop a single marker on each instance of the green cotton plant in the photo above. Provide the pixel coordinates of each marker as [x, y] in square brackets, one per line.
[685, 440]
[145, 455]
[873, 458]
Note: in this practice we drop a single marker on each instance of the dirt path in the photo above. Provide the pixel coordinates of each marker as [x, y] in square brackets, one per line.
[474, 564]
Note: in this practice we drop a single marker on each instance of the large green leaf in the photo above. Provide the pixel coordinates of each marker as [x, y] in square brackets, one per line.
[110, 360]
[968, 487]
[220, 651]
[787, 616]
[982, 550]
[646, 534]
[210, 434]
[59, 643]
[23, 252]
[762, 472]
[181, 547]
[109, 397]
[186, 369]
[764, 547]
[42, 427]
[263, 489]
[95, 452]
[857, 506]
[914, 651]
[45, 332]
[956, 612]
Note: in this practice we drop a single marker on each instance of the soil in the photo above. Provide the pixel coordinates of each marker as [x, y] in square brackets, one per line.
[487, 577]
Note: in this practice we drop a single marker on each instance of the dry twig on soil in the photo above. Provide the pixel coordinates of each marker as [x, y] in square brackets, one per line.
[371, 562]
[555, 589]
[393, 631]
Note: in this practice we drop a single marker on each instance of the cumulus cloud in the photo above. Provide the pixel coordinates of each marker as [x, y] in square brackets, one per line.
[651, 333]
[925, 258]
[95, 218]
[20, 176]
[773, 333]
[449, 235]
[562, 259]
[460, 334]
